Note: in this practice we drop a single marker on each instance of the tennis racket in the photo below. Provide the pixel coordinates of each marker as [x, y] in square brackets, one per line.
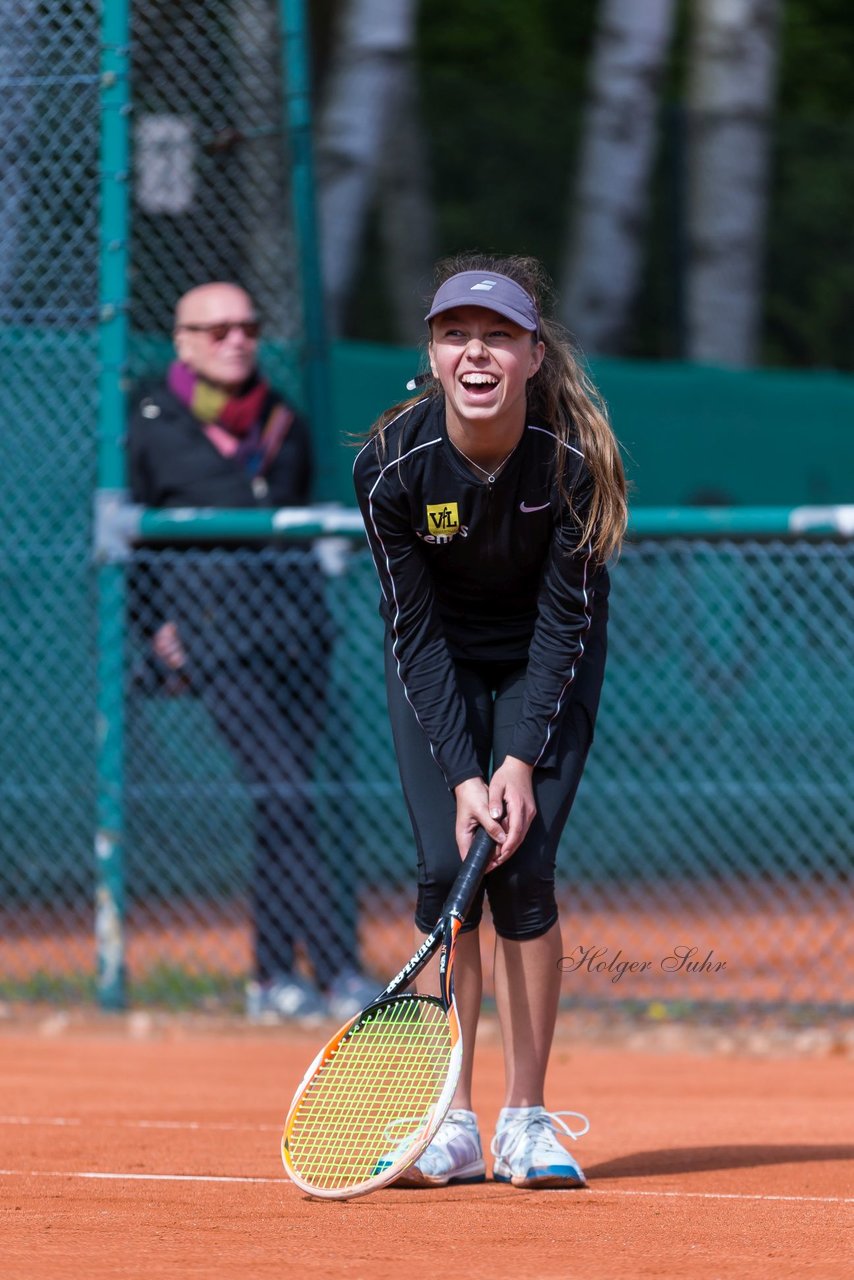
[374, 1096]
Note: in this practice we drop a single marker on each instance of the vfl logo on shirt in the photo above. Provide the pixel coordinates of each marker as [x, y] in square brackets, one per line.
[443, 522]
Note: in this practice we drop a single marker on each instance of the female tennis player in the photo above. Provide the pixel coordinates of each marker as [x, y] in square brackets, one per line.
[492, 501]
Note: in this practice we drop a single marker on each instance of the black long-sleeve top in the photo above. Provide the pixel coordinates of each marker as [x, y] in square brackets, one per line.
[474, 572]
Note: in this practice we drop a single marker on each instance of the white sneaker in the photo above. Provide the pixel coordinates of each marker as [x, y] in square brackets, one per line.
[454, 1155]
[527, 1152]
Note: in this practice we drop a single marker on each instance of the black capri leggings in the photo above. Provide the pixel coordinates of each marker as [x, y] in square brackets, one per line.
[521, 891]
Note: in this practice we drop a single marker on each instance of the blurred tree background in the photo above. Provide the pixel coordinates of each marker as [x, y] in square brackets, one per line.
[487, 154]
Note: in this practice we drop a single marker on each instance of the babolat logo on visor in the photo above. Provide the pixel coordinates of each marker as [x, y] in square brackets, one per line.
[486, 285]
[443, 522]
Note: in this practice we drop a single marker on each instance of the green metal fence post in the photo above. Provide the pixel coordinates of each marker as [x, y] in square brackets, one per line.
[109, 850]
[297, 101]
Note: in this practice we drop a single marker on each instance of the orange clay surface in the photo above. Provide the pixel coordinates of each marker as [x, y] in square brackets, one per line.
[148, 1146]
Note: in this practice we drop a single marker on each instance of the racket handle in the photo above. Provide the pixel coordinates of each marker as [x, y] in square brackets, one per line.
[468, 880]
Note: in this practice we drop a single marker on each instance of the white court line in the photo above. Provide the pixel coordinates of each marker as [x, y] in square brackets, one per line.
[66, 1122]
[229, 1178]
[130, 1177]
[722, 1195]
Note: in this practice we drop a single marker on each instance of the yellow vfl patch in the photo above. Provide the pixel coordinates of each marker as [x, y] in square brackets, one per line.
[443, 519]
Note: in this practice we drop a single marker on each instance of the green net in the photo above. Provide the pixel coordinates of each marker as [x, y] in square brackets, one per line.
[708, 855]
[209, 198]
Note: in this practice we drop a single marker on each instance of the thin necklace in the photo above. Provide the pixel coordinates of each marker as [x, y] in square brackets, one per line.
[490, 475]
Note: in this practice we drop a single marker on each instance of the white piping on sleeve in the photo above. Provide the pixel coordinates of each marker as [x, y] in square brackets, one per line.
[588, 613]
[395, 601]
[373, 439]
[388, 467]
[544, 431]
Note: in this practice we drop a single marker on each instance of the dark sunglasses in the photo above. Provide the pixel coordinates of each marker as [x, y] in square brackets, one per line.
[219, 332]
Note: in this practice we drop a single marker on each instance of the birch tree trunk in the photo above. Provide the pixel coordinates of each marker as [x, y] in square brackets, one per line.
[603, 257]
[407, 215]
[375, 35]
[730, 99]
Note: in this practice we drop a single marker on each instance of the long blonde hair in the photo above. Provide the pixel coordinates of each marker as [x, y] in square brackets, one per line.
[560, 393]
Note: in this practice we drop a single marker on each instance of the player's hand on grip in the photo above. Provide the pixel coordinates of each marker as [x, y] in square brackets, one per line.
[511, 795]
[473, 811]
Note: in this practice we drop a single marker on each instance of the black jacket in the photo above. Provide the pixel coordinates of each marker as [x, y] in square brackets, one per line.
[254, 601]
[173, 464]
[476, 572]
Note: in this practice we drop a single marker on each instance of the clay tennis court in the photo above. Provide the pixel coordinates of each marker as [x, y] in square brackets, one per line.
[143, 1145]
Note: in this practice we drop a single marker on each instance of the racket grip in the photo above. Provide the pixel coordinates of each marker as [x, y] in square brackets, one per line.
[468, 880]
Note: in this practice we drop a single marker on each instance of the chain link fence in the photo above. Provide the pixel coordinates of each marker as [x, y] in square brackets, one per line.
[209, 196]
[707, 858]
[211, 169]
[49, 231]
[709, 852]
[713, 829]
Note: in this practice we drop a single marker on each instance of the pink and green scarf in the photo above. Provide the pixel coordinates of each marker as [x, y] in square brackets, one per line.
[250, 427]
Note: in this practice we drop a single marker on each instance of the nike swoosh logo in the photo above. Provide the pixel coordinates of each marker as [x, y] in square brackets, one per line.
[523, 506]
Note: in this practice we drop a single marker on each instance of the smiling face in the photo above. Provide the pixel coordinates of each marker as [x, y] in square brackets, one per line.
[483, 362]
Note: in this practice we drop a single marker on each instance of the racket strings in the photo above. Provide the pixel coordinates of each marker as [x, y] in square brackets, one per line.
[373, 1096]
